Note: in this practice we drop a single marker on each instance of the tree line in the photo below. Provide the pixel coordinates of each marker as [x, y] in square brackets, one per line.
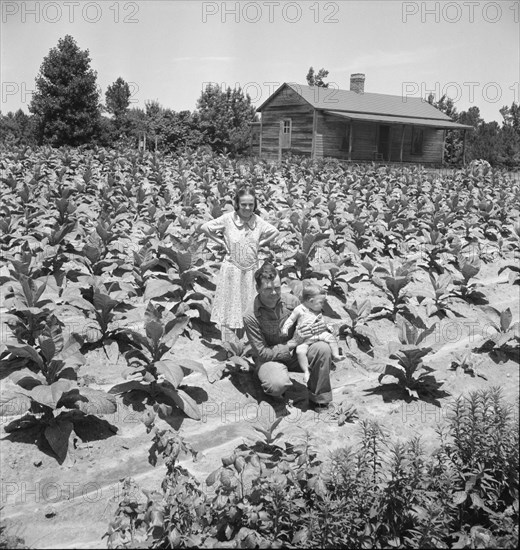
[66, 109]
[490, 141]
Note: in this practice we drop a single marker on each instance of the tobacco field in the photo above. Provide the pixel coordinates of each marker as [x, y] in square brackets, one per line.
[128, 422]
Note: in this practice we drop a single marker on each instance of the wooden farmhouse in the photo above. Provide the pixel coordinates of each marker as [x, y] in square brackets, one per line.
[351, 125]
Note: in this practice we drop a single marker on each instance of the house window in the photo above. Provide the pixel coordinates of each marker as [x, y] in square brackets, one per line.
[286, 129]
[417, 141]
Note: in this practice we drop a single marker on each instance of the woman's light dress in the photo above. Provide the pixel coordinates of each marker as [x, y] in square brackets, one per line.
[235, 281]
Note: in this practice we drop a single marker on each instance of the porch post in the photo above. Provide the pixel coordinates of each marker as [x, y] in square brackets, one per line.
[350, 136]
[464, 147]
[443, 145]
[261, 132]
[313, 142]
[280, 135]
[402, 144]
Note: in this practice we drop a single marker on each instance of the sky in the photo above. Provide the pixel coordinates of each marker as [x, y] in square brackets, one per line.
[169, 50]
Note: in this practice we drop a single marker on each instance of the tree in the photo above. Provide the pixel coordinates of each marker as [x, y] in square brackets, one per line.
[16, 128]
[445, 105]
[172, 130]
[453, 140]
[224, 118]
[509, 149]
[486, 144]
[117, 98]
[181, 130]
[317, 80]
[511, 116]
[471, 117]
[66, 101]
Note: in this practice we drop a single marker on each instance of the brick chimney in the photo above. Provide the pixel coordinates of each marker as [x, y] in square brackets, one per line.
[357, 83]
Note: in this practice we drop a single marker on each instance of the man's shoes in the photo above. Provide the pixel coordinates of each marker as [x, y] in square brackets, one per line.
[321, 407]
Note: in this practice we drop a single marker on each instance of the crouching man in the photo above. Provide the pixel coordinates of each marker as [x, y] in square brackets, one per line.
[273, 353]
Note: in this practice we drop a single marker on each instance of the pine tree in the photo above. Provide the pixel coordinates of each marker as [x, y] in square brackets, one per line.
[317, 79]
[117, 98]
[66, 100]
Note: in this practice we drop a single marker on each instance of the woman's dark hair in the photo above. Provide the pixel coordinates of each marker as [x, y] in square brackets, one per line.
[245, 190]
[265, 273]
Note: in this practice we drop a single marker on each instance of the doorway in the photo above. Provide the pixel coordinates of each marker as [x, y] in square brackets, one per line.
[383, 142]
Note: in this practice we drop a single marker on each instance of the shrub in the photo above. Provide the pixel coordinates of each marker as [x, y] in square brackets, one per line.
[377, 495]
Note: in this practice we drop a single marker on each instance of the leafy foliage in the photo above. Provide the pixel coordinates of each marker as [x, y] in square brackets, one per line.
[224, 117]
[271, 494]
[66, 103]
[407, 359]
[317, 79]
[44, 391]
[118, 98]
[157, 373]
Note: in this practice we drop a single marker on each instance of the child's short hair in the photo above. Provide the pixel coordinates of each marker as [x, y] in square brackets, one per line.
[267, 272]
[310, 290]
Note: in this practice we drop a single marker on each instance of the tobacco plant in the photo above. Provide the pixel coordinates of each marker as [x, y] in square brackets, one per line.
[407, 360]
[238, 354]
[514, 275]
[437, 298]
[306, 239]
[95, 259]
[359, 331]
[468, 363]
[157, 372]
[373, 270]
[467, 290]
[28, 313]
[188, 279]
[336, 273]
[140, 272]
[45, 392]
[396, 293]
[506, 339]
[359, 238]
[433, 243]
[104, 313]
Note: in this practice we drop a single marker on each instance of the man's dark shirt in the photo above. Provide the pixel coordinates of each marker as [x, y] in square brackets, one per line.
[263, 328]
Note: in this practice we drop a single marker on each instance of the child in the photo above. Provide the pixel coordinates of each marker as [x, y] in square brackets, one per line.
[307, 313]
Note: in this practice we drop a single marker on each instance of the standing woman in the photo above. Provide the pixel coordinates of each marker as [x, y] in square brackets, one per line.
[242, 233]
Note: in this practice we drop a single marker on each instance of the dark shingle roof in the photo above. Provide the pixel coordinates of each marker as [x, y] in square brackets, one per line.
[331, 99]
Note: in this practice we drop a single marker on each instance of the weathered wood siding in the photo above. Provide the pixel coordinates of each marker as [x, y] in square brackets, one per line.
[330, 137]
[254, 138]
[331, 141]
[433, 144]
[287, 104]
